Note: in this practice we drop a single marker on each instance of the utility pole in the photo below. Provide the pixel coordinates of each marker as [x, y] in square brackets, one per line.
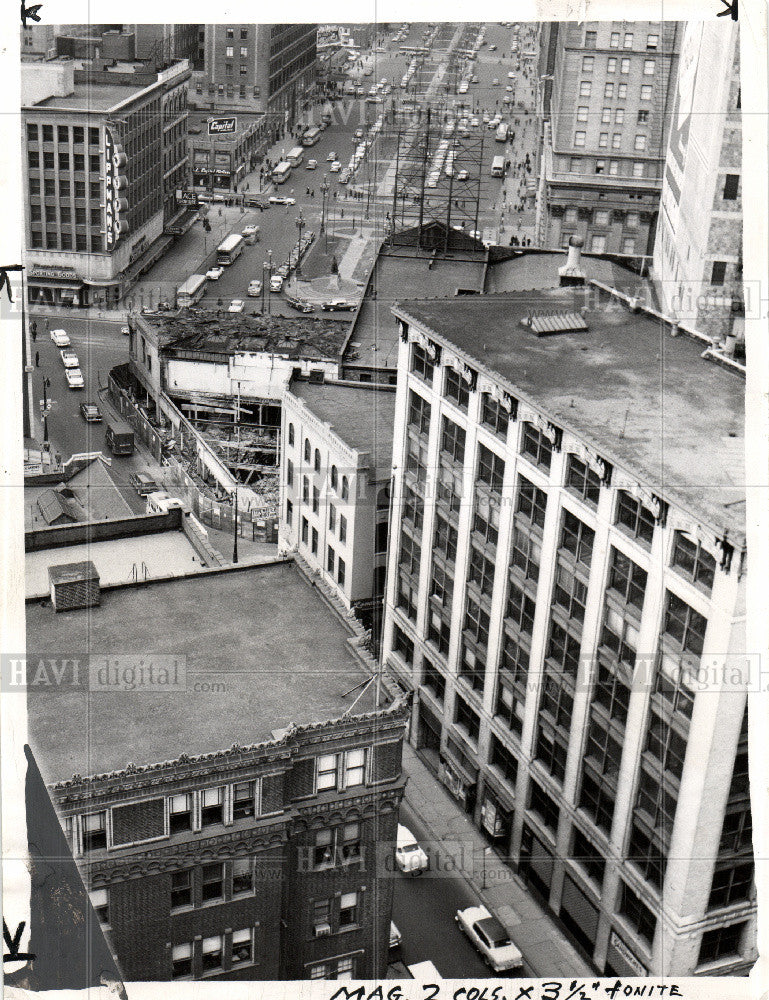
[235, 530]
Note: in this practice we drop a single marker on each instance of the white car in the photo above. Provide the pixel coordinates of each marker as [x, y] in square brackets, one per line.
[495, 82]
[276, 283]
[331, 157]
[409, 856]
[60, 338]
[395, 935]
[489, 937]
[237, 306]
[215, 273]
[509, 90]
[312, 164]
[463, 175]
[69, 358]
[125, 331]
[254, 288]
[474, 122]
[335, 167]
[74, 378]
[507, 99]
[511, 76]
[281, 199]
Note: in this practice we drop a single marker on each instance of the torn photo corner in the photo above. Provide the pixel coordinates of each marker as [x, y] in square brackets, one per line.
[384, 467]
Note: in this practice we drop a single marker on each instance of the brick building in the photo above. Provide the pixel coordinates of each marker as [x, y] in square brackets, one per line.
[698, 252]
[250, 835]
[219, 162]
[104, 156]
[566, 595]
[606, 107]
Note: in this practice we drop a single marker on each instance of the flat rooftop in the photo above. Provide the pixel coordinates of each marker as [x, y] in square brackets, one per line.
[233, 333]
[93, 96]
[362, 417]
[645, 400]
[261, 648]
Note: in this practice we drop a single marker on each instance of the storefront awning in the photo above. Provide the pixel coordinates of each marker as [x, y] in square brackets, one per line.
[70, 285]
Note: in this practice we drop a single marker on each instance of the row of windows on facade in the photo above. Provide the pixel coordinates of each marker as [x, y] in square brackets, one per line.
[214, 88]
[617, 168]
[639, 142]
[78, 134]
[584, 114]
[588, 65]
[335, 564]
[311, 495]
[625, 40]
[312, 459]
[194, 811]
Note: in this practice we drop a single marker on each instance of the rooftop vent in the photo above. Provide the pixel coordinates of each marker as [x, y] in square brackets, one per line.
[546, 324]
[571, 273]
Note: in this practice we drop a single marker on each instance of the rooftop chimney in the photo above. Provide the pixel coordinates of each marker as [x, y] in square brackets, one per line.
[571, 273]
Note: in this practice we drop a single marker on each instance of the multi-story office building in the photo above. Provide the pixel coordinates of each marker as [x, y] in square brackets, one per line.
[221, 161]
[566, 595]
[257, 67]
[698, 252]
[605, 102]
[335, 473]
[105, 153]
[166, 42]
[248, 831]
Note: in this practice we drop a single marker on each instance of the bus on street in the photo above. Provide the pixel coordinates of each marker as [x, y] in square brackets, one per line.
[311, 136]
[230, 249]
[295, 156]
[498, 166]
[501, 135]
[192, 291]
[282, 172]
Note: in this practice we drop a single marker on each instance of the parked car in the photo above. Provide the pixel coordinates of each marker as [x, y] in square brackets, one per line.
[74, 378]
[219, 198]
[143, 484]
[300, 304]
[283, 271]
[463, 175]
[358, 134]
[489, 937]
[276, 283]
[335, 167]
[344, 177]
[90, 412]
[254, 288]
[511, 76]
[495, 82]
[282, 199]
[509, 89]
[409, 856]
[312, 164]
[395, 936]
[237, 306]
[125, 331]
[69, 358]
[214, 273]
[60, 338]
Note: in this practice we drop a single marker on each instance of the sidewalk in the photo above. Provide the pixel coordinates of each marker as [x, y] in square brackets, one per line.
[545, 948]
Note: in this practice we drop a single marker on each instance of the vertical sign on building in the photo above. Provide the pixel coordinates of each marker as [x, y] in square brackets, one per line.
[115, 204]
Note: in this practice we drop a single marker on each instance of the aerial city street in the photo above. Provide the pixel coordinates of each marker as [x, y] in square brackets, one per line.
[345, 408]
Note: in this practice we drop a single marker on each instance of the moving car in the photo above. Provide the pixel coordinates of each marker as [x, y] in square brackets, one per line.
[489, 937]
[236, 306]
[60, 338]
[276, 283]
[409, 856]
[338, 305]
[74, 378]
[90, 412]
[300, 304]
[511, 76]
[69, 358]
[143, 484]
[312, 164]
[509, 89]
[250, 234]
[463, 175]
[281, 199]
[344, 177]
[125, 331]
[254, 288]
[331, 157]
[335, 167]
[495, 82]
[214, 273]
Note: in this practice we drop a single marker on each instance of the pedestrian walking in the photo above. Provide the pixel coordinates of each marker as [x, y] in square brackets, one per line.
[34, 332]
[37, 359]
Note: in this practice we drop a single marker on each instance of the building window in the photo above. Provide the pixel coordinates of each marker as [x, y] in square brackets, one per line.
[718, 273]
[637, 914]
[242, 876]
[402, 645]
[731, 186]
[212, 954]
[576, 538]
[611, 65]
[242, 947]
[603, 140]
[605, 114]
[212, 882]
[582, 114]
[494, 415]
[315, 500]
[543, 806]
[587, 64]
[643, 117]
[626, 580]
[467, 720]
[640, 143]
[181, 889]
[243, 800]
[317, 460]
[433, 681]
[575, 165]
[652, 41]
[732, 883]
[337, 846]
[212, 806]
[453, 441]
[588, 857]
[579, 139]
[537, 446]
[608, 90]
[628, 245]
[532, 502]
[635, 517]
[419, 413]
[334, 478]
[456, 389]
[100, 903]
[616, 142]
[624, 66]
[598, 244]
[600, 166]
[722, 942]
[180, 813]
[585, 88]
[646, 92]
[314, 542]
[94, 831]
[614, 40]
[243, 52]
[348, 909]
[229, 52]
[590, 39]
[638, 169]
[628, 43]
[345, 491]
[504, 761]
[695, 563]
[621, 91]
[305, 530]
[330, 559]
[307, 451]
[326, 772]
[421, 363]
[289, 473]
[244, 33]
[181, 961]
[649, 67]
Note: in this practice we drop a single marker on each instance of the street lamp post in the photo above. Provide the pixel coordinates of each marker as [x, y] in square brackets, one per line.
[269, 279]
[300, 226]
[324, 192]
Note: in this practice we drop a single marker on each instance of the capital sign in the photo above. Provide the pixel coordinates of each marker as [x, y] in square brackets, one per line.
[114, 180]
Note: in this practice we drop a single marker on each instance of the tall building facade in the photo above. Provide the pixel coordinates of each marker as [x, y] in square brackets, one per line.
[556, 595]
[105, 151]
[262, 67]
[604, 93]
[698, 251]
